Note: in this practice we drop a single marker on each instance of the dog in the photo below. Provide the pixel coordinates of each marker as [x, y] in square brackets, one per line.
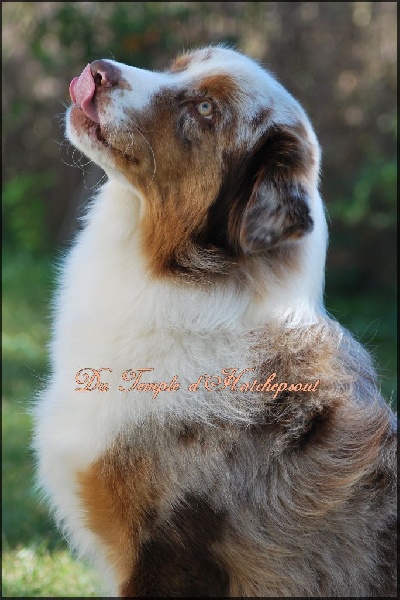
[208, 429]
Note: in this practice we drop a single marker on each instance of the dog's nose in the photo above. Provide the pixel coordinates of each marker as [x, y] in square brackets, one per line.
[104, 74]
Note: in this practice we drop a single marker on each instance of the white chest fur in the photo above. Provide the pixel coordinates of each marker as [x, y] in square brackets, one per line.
[110, 315]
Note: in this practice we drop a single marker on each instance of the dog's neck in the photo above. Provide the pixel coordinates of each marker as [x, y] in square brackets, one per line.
[293, 298]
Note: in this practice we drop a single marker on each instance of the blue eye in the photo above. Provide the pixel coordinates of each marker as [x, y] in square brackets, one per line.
[205, 108]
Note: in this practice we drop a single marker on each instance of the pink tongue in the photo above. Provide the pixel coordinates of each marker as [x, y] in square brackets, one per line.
[82, 91]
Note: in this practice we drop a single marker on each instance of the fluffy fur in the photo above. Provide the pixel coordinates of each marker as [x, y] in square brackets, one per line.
[205, 251]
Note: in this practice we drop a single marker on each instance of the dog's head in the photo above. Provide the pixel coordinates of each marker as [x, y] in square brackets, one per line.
[222, 156]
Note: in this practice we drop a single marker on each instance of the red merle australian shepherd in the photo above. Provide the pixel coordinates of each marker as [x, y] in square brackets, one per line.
[207, 429]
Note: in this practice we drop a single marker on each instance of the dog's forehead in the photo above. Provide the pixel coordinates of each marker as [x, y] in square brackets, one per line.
[219, 61]
[211, 58]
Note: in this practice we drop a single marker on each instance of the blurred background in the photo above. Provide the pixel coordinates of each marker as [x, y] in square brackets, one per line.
[337, 58]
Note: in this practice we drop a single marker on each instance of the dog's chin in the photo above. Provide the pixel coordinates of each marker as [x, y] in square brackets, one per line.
[89, 137]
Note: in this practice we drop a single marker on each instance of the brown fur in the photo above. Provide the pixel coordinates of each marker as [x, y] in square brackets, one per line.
[107, 489]
[222, 87]
[181, 63]
[191, 197]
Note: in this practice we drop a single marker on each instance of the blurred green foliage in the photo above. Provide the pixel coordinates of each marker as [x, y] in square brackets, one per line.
[374, 197]
[23, 221]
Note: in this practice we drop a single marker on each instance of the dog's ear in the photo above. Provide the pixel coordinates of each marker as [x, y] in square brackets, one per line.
[272, 204]
[274, 213]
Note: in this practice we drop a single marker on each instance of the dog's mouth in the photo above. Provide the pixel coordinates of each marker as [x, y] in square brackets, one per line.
[81, 122]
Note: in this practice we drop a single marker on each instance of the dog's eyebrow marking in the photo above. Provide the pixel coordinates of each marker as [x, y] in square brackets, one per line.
[222, 86]
[181, 63]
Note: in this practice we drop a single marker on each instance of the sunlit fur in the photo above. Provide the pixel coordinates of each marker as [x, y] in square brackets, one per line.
[211, 493]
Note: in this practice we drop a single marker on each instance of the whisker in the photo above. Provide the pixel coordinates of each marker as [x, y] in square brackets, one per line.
[63, 103]
[186, 37]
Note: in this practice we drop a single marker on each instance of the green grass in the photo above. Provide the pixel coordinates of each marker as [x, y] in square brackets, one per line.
[36, 560]
[34, 571]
